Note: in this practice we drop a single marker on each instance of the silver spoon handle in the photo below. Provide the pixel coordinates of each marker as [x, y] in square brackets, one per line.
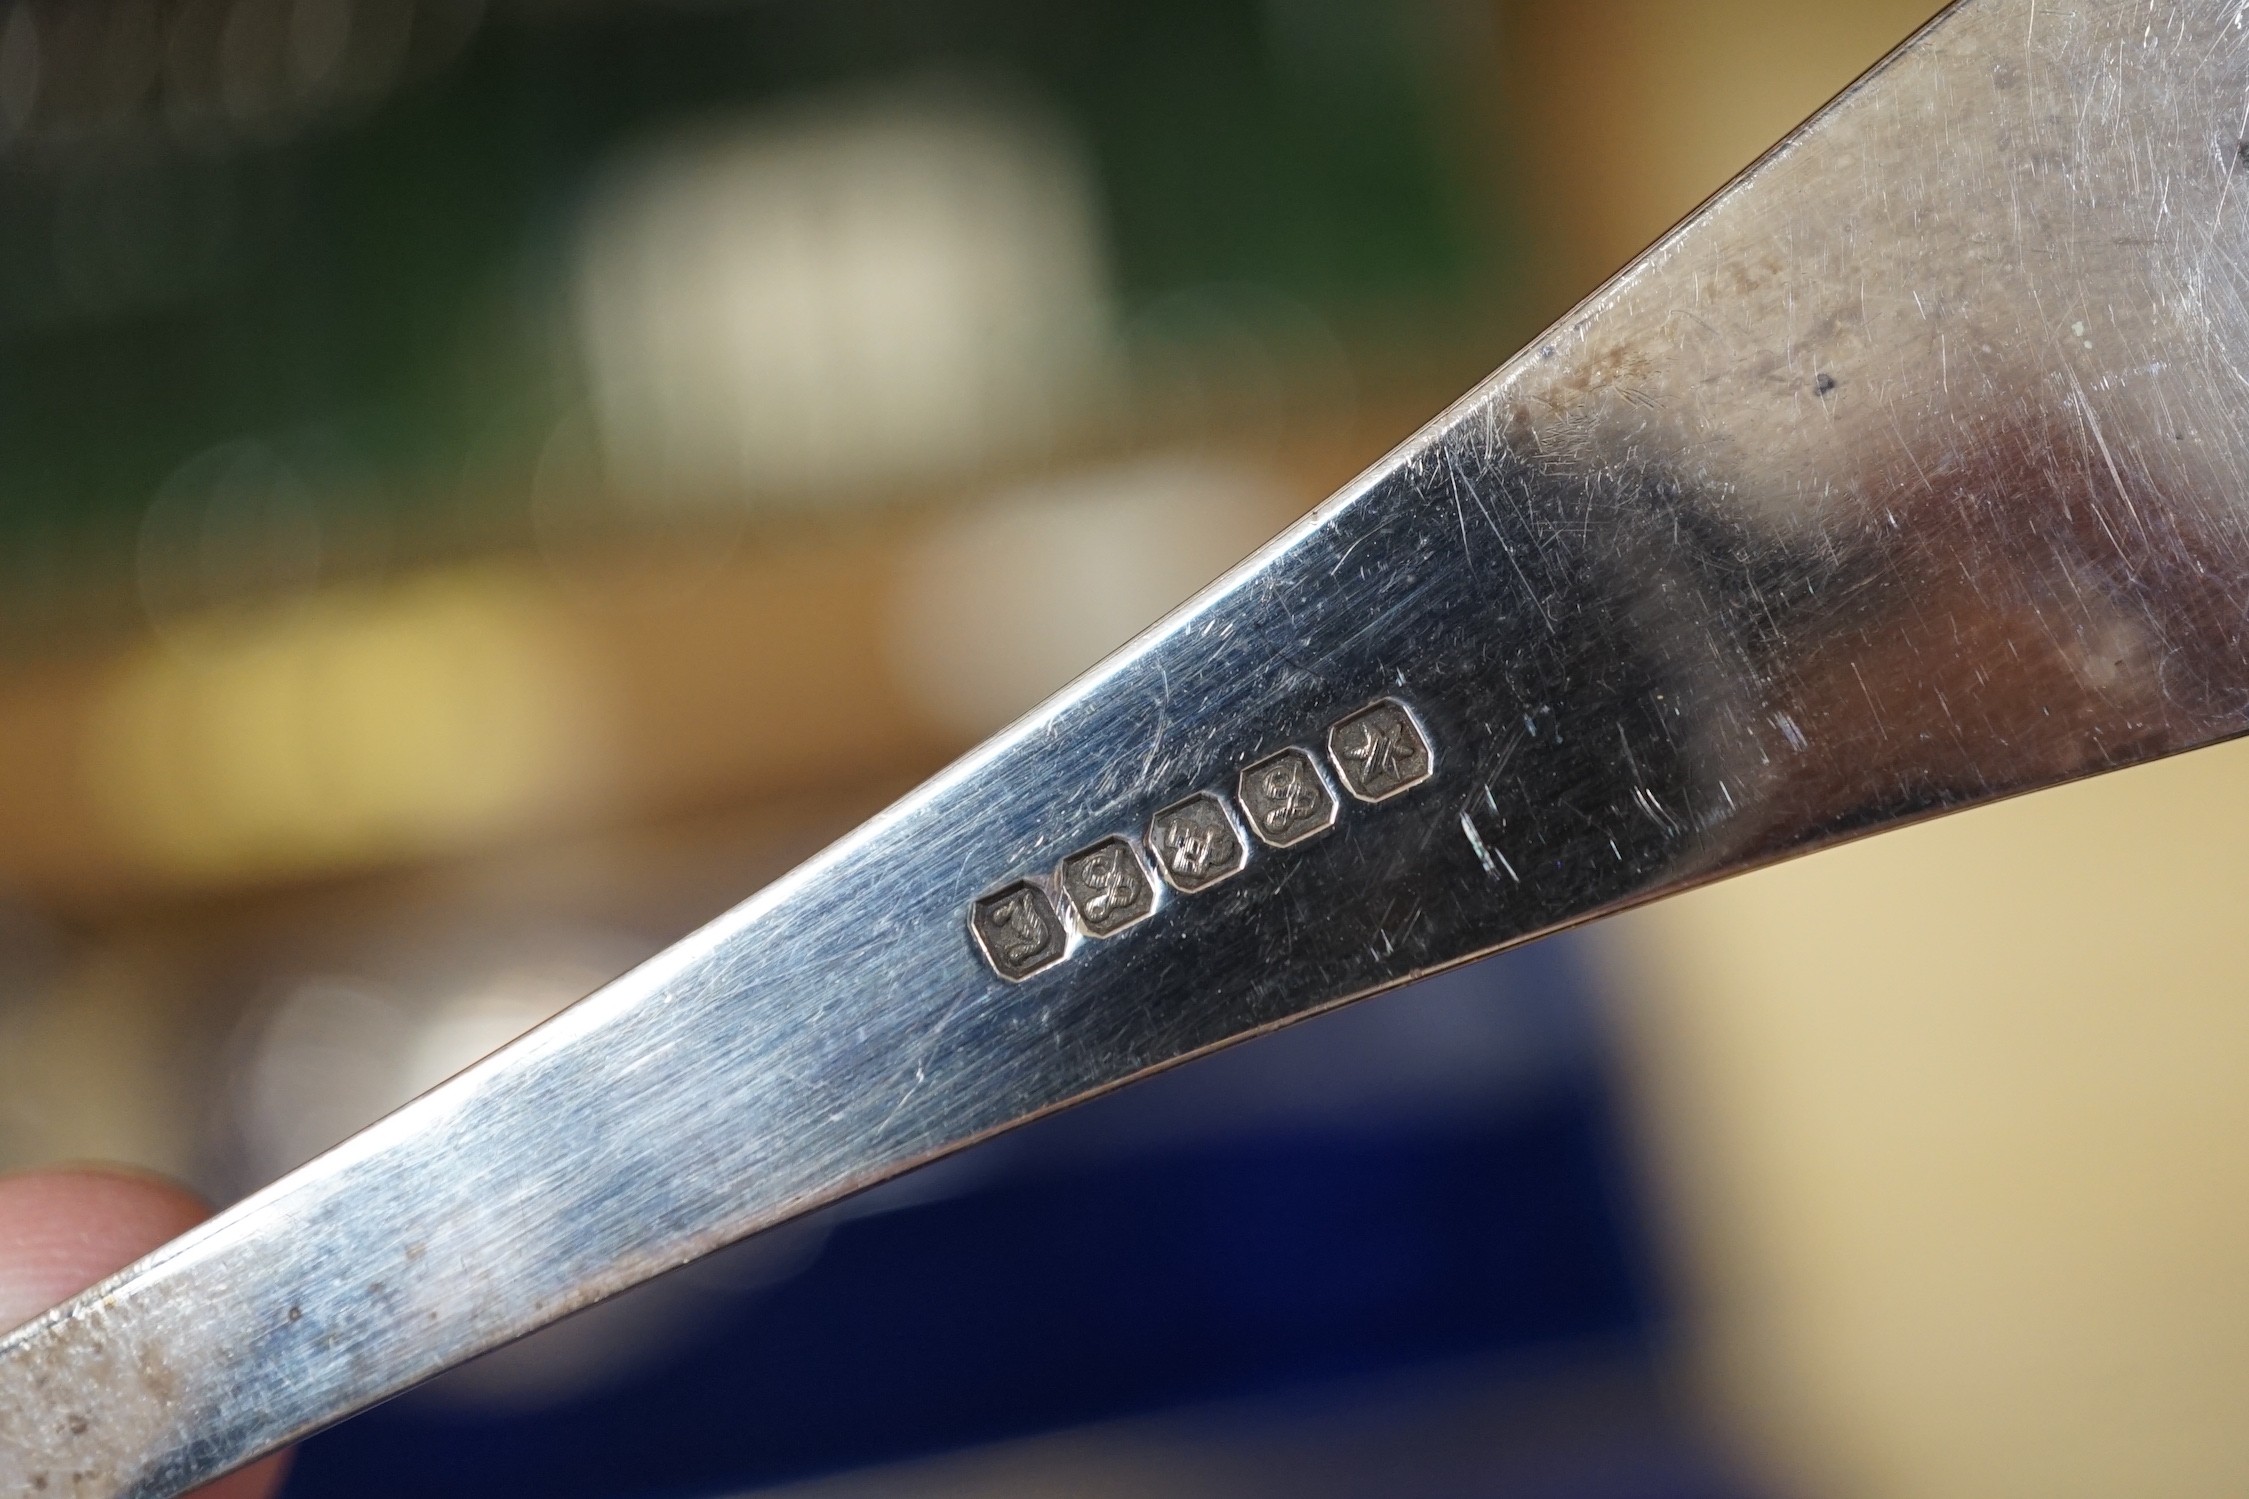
[1907, 475]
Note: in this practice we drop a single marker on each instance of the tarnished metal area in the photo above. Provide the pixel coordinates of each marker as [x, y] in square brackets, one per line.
[1907, 475]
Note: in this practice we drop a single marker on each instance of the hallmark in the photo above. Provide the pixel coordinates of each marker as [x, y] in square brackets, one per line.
[1018, 930]
[1107, 887]
[1380, 751]
[1197, 843]
[1287, 799]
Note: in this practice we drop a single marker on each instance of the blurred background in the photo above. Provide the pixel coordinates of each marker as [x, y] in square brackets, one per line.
[434, 439]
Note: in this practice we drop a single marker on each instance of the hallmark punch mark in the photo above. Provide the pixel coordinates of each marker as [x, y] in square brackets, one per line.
[1380, 751]
[1286, 798]
[1107, 887]
[1200, 841]
[1018, 930]
[1197, 843]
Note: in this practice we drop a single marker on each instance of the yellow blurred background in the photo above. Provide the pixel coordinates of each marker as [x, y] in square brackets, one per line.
[307, 806]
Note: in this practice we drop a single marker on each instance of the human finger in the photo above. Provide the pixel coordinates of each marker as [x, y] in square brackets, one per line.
[63, 1230]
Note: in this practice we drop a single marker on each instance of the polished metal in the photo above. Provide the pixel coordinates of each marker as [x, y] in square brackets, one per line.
[1911, 473]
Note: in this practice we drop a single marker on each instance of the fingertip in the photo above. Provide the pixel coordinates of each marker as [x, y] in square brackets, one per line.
[64, 1228]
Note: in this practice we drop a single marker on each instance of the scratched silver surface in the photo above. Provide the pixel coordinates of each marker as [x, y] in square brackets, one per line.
[1907, 475]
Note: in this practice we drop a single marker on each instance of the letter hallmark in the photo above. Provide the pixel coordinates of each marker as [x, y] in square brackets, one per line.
[1380, 751]
[1107, 887]
[1287, 799]
[1018, 930]
[1197, 843]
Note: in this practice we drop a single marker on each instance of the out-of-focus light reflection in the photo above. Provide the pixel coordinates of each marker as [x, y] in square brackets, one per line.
[1239, 363]
[77, 73]
[19, 68]
[340, 1050]
[1003, 604]
[87, 1070]
[348, 730]
[325, 1066]
[867, 291]
[233, 523]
